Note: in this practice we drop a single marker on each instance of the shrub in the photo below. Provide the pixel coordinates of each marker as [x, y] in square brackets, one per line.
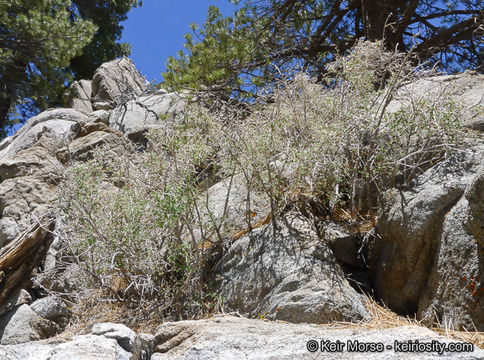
[130, 220]
[337, 136]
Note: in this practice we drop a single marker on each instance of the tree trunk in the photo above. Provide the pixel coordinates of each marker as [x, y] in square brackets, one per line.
[380, 21]
[5, 103]
[20, 257]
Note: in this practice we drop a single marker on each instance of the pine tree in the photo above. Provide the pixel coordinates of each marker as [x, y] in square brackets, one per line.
[107, 15]
[37, 42]
[45, 44]
[265, 39]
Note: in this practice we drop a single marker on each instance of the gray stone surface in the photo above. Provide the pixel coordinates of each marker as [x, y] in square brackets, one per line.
[36, 159]
[101, 116]
[116, 81]
[454, 295]
[466, 89]
[426, 255]
[28, 185]
[22, 200]
[459, 264]
[82, 148]
[291, 275]
[146, 110]
[476, 122]
[51, 308]
[82, 347]
[81, 96]
[103, 105]
[227, 206]
[121, 333]
[239, 338]
[144, 346]
[347, 247]
[22, 325]
[141, 346]
[475, 216]
[61, 123]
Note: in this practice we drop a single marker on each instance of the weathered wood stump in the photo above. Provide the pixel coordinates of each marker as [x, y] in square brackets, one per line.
[20, 257]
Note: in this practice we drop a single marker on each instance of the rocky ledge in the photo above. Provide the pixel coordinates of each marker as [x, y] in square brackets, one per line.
[231, 337]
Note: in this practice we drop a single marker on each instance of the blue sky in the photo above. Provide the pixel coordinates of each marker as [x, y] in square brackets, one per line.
[156, 29]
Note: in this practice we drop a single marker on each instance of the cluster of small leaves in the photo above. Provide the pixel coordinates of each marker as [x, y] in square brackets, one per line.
[42, 29]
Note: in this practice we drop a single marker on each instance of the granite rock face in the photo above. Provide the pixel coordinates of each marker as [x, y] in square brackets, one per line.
[428, 256]
[82, 148]
[287, 273]
[229, 337]
[141, 346]
[106, 341]
[239, 338]
[23, 324]
[81, 96]
[28, 185]
[465, 89]
[22, 297]
[83, 347]
[29, 170]
[146, 111]
[114, 82]
[63, 124]
[227, 208]
[52, 308]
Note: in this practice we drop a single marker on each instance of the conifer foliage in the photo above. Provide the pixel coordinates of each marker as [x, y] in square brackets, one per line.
[44, 44]
[107, 15]
[263, 40]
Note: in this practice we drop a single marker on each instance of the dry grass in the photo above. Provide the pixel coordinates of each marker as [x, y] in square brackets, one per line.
[383, 318]
[91, 311]
[380, 318]
[475, 337]
[95, 309]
